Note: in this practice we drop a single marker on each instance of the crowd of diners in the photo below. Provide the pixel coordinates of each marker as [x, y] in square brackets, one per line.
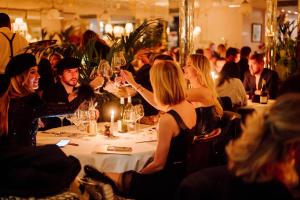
[184, 102]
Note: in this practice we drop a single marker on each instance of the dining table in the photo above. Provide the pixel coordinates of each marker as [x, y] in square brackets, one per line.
[117, 153]
[259, 107]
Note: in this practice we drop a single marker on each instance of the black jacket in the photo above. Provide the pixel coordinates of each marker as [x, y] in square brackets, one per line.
[23, 114]
[272, 82]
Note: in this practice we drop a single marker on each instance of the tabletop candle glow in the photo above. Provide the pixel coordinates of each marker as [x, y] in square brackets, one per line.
[112, 117]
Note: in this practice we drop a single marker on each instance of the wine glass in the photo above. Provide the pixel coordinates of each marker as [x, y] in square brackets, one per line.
[118, 60]
[84, 117]
[130, 117]
[139, 112]
[61, 117]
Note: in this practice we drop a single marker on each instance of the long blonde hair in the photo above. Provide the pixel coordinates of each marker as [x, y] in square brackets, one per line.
[265, 151]
[203, 68]
[16, 88]
[168, 82]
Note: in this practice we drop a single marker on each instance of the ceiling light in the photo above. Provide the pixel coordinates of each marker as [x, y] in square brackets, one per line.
[108, 28]
[128, 28]
[234, 6]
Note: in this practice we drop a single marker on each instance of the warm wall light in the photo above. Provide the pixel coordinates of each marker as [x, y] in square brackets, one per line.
[128, 28]
[20, 26]
[108, 28]
[197, 30]
[118, 31]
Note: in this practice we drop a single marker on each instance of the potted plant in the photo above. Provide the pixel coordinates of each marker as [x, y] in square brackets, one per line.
[286, 47]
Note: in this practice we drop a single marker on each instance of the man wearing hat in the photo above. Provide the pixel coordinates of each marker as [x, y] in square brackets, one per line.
[10, 43]
[63, 90]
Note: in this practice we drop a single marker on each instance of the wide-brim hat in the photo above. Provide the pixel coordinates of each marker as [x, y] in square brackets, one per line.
[19, 64]
[68, 63]
[16, 66]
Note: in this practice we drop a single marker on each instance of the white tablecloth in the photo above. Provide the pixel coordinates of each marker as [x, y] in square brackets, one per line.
[258, 106]
[90, 148]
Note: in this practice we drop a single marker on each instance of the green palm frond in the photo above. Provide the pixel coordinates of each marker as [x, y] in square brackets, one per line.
[147, 35]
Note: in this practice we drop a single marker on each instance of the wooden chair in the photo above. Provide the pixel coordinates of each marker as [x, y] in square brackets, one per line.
[201, 154]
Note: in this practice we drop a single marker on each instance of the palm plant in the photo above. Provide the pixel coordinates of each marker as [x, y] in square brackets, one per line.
[87, 54]
[148, 34]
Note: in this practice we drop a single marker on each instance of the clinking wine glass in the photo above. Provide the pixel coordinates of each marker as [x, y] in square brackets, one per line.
[139, 111]
[118, 60]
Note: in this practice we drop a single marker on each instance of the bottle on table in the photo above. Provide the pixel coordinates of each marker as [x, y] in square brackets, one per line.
[122, 125]
[263, 99]
[129, 115]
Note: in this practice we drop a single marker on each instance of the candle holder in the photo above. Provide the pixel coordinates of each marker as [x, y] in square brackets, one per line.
[107, 131]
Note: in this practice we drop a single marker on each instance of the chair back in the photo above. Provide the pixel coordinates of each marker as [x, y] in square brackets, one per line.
[201, 154]
[226, 103]
[231, 129]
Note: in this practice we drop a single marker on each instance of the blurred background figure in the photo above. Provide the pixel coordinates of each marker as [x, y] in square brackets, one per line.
[243, 63]
[11, 43]
[229, 85]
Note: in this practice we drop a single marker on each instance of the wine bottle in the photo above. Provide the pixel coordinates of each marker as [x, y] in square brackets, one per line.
[122, 125]
[263, 99]
[129, 115]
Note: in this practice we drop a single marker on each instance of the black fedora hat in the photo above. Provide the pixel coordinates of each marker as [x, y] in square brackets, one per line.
[68, 63]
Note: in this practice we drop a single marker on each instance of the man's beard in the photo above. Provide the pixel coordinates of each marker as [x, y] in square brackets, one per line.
[72, 83]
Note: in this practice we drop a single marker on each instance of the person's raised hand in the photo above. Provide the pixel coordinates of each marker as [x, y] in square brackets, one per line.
[127, 76]
[97, 82]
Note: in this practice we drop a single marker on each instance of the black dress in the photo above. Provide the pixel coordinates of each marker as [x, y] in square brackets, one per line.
[163, 184]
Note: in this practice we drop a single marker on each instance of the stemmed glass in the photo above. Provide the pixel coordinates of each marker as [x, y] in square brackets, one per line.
[118, 60]
[61, 117]
[84, 117]
[139, 112]
[130, 118]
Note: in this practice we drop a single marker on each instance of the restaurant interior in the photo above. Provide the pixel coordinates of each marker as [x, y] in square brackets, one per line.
[149, 99]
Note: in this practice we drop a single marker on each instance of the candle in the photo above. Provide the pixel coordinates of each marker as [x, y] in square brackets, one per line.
[112, 117]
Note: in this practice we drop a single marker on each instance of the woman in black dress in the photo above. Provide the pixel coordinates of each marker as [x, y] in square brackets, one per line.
[160, 178]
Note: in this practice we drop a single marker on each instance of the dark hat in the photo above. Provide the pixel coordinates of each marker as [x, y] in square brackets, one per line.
[68, 63]
[19, 64]
[16, 66]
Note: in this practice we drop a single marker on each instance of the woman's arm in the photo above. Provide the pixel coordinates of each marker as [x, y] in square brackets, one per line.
[167, 127]
[146, 94]
[202, 95]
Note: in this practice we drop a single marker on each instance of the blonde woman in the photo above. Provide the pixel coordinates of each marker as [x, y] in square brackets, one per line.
[160, 178]
[261, 163]
[202, 93]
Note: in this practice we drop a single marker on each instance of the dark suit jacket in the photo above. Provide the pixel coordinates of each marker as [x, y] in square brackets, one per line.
[272, 81]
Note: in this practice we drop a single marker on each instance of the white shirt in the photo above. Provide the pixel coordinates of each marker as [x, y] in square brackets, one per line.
[19, 43]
